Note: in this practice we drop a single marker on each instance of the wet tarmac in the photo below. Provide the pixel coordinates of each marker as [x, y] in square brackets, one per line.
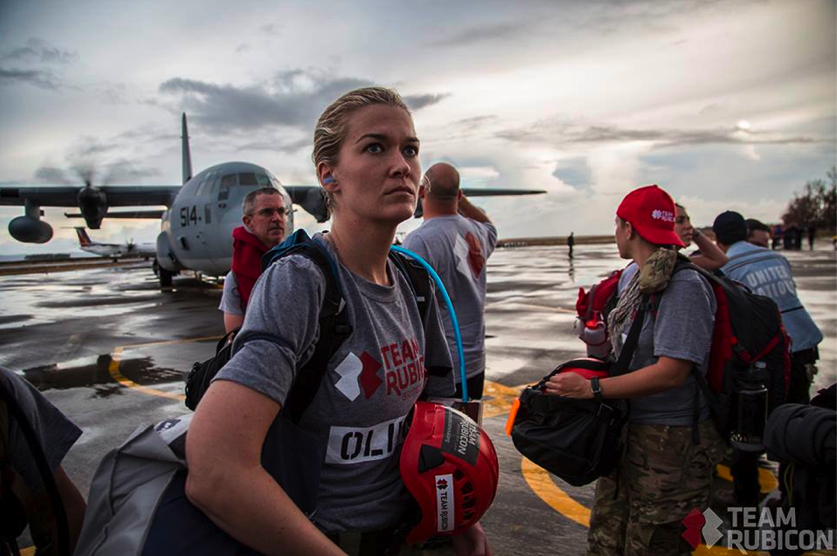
[111, 349]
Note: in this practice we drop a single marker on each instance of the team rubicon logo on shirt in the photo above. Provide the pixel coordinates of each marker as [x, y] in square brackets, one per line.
[469, 256]
[403, 370]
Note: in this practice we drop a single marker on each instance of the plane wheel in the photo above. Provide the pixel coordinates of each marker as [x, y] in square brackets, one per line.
[165, 277]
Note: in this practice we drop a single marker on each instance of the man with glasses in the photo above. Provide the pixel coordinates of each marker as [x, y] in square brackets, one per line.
[264, 227]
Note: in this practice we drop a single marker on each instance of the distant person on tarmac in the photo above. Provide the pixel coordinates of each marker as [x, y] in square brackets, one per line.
[777, 236]
[800, 232]
[457, 239]
[789, 237]
[812, 234]
[264, 227]
[571, 243]
[663, 473]
[758, 233]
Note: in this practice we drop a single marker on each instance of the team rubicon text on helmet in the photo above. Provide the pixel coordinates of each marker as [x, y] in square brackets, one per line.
[449, 465]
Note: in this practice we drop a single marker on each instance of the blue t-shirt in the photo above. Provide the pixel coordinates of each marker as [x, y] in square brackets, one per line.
[768, 273]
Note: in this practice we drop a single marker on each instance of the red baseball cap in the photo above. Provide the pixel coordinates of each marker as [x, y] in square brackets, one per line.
[650, 210]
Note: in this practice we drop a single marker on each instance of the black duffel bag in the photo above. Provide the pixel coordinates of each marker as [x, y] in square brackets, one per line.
[576, 440]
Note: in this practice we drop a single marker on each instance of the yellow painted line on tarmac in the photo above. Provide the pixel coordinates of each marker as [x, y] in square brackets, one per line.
[767, 480]
[116, 374]
[542, 484]
[540, 481]
[498, 398]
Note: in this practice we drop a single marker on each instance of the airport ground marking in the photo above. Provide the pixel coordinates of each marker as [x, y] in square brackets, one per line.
[540, 481]
[498, 398]
[116, 374]
[542, 484]
[767, 480]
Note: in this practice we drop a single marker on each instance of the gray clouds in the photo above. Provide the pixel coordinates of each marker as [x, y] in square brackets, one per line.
[556, 132]
[227, 107]
[120, 172]
[417, 102]
[37, 53]
[43, 79]
[38, 50]
[294, 99]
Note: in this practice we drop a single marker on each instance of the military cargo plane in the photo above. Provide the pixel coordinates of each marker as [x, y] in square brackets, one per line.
[200, 215]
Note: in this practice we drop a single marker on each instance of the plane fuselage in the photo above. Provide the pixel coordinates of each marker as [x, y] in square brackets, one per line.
[197, 229]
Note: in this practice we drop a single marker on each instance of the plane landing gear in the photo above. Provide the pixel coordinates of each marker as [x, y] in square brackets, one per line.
[165, 276]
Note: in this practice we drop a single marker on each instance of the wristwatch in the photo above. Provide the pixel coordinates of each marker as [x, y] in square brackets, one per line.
[597, 389]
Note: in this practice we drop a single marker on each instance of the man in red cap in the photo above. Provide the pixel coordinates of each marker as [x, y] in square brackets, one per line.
[666, 469]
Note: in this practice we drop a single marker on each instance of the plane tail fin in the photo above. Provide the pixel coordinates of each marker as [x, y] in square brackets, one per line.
[187, 153]
[83, 238]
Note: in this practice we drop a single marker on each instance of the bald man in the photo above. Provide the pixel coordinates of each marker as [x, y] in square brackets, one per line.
[457, 238]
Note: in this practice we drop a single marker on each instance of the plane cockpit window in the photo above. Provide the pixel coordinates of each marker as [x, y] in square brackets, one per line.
[203, 186]
[247, 178]
[192, 185]
[264, 181]
[213, 187]
[227, 182]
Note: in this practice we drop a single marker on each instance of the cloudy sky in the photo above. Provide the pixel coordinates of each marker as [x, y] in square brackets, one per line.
[724, 104]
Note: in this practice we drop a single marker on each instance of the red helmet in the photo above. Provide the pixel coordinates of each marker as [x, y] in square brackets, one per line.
[449, 465]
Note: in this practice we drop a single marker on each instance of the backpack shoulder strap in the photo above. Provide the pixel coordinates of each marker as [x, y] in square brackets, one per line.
[333, 321]
[628, 349]
[417, 277]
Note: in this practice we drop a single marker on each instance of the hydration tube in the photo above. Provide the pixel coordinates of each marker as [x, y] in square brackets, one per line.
[451, 312]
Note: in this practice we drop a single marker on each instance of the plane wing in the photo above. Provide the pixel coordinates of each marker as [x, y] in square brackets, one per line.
[498, 192]
[126, 214]
[310, 197]
[67, 195]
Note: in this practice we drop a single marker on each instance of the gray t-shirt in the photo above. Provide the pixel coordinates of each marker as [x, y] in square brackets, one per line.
[458, 249]
[230, 298]
[371, 384]
[682, 329]
[55, 432]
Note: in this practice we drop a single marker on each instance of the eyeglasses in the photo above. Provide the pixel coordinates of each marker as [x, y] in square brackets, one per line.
[268, 212]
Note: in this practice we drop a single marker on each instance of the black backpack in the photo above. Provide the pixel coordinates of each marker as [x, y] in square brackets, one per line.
[333, 323]
[749, 346]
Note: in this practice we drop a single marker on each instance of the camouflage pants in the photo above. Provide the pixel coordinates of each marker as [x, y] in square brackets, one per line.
[661, 477]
